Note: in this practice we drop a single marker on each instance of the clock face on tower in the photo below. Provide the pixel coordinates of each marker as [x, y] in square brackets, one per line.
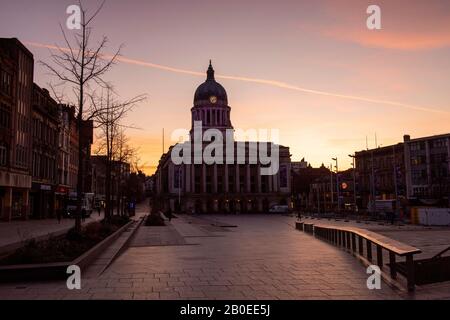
[213, 99]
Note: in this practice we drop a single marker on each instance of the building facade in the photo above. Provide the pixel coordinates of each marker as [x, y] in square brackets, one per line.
[120, 174]
[44, 154]
[427, 162]
[333, 192]
[16, 91]
[380, 175]
[66, 121]
[303, 178]
[221, 186]
[38, 141]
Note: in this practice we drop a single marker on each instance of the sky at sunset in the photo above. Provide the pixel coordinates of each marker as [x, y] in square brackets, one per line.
[311, 69]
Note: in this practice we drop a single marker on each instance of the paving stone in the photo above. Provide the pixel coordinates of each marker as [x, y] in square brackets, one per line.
[118, 284]
[112, 296]
[247, 262]
[169, 295]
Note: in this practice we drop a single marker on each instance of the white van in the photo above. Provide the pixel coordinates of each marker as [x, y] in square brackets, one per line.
[87, 203]
[279, 209]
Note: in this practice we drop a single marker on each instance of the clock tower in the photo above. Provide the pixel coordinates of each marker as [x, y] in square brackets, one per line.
[211, 104]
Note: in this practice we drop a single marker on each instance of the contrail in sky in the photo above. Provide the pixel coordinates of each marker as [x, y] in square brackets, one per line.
[273, 83]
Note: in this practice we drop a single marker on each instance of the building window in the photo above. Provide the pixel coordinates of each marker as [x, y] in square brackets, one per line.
[417, 146]
[418, 176]
[283, 177]
[440, 143]
[3, 155]
[417, 160]
[6, 83]
[5, 117]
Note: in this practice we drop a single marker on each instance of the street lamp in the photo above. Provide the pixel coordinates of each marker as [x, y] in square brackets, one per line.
[354, 180]
[337, 185]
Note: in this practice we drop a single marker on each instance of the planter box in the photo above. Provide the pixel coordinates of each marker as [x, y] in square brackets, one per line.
[299, 226]
[57, 270]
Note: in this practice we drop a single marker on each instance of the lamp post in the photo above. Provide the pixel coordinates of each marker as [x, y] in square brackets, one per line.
[394, 165]
[372, 183]
[331, 186]
[337, 185]
[354, 180]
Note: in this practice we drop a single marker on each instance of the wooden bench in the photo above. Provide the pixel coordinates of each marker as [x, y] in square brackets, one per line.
[353, 239]
[308, 228]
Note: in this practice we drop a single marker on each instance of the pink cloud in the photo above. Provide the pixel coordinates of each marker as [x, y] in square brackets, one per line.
[391, 39]
[406, 24]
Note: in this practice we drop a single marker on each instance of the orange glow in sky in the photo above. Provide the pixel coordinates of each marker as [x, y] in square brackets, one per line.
[308, 68]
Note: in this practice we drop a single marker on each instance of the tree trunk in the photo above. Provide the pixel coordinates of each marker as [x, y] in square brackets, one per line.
[80, 163]
[108, 190]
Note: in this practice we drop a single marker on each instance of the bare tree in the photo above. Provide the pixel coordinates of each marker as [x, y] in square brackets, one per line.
[81, 65]
[112, 142]
[124, 154]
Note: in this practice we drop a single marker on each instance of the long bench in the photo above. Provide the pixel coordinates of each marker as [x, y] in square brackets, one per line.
[353, 239]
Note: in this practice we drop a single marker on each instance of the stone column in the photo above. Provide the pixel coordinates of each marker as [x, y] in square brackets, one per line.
[204, 178]
[237, 179]
[215, 179]
[187, 169]
[258, 179]
[269, 183]
[275, 182]
[225, 178]
[248, 185]
[193, 178]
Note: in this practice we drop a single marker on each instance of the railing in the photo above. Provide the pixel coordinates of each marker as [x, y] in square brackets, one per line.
[360, 242]
[349, 215]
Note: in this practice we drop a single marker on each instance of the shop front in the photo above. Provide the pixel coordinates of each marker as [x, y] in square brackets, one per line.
[61, 196]
[14, 195]
[42, 201]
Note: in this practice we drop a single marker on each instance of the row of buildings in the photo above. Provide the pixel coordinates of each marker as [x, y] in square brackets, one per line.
[415, 172]
[39, 144]
[38, 140]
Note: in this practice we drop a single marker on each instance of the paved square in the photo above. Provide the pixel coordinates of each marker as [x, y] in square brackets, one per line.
[262, 257]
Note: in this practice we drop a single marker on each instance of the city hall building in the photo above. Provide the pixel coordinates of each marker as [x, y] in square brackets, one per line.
[236, 183]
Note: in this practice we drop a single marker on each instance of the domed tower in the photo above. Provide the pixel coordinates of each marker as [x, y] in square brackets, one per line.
[211, 104]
